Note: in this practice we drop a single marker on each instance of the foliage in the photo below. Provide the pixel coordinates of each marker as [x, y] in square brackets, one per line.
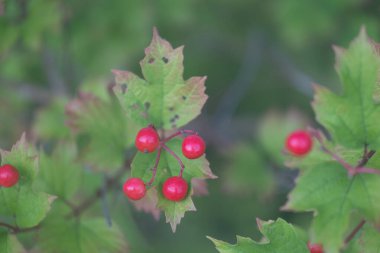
[81, 119]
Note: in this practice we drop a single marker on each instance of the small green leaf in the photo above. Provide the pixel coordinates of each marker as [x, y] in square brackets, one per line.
[199, 168]
[163, 98]
[353, 117]
[101, 128]
[83, 235]
[23, 204]
[9, 243]
[60, 175]
[280, 237]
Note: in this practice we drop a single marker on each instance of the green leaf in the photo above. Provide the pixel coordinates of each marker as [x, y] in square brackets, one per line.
[50, 121]
[168, 166]
[326, 189]
[248, 173]
[280, 237]
[353, 117]
[60, 175]
[23, 204]
[9, 243]
[163, 97]
[366, 241]
[60, 235]
[101, 128]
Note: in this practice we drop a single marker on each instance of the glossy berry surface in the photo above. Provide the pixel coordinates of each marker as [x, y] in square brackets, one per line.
[193, 146]
[134, 188]
[175, 188]
[299, 143]
[147, 140]
[9, 175]
[315, 248]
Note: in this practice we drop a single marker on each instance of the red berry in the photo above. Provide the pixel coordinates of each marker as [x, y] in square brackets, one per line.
[8, 175]
[299, 143]
[175, 188]
[134, 188]
[193, 146]
[147, 140]
[315, 248]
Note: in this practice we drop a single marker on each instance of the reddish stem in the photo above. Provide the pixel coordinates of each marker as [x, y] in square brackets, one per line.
[350, 169]
[154, 170]
[365, 170]
[354, 232]
[180, 132]
[176, 157]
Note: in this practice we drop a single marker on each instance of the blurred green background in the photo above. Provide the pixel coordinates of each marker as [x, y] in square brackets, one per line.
[260, 58]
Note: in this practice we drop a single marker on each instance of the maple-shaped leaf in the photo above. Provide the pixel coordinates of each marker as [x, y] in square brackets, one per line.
[280, 237]
[59, 235]
[367, 240]
[103, 134]
[168, 166]
[163, 97]
[325, 188]
[50, 121]
[353, 117]
[60, 173]
[9, 243]
[23, 205]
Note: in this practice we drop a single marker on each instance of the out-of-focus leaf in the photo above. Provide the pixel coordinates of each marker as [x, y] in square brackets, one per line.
[50, 121]
[247, 172]
[83, 235]
[60, 174]
[9, 243]
[102, 131]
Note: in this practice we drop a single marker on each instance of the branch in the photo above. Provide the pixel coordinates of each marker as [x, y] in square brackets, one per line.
[109, 184]
[17, 230]
[354, 231]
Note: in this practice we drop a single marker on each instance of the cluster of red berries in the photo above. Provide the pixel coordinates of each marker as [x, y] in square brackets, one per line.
[299, 143]
[9, 176]
[174, 188]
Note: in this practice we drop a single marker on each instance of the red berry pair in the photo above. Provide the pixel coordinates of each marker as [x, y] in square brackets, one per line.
[299, 143]
[174, 188]
[147, 141]
[9, 175]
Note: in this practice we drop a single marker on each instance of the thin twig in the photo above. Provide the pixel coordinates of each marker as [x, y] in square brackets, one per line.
[105, 208]
[176, 157]
[180, 132]
[110, 183]
[354, 231]
[17, 230]
[154, 170]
